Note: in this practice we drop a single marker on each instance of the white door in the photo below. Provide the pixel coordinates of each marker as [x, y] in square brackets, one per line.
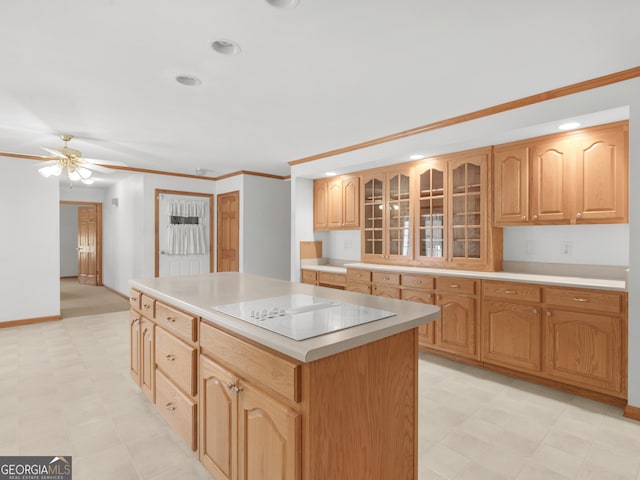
[184, 241]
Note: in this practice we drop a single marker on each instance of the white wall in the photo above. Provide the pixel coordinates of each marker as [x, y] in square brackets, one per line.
[68, 240]
[267, 227]
[29, 242]
[301, 219]
[343, 245]
[122, 233]
[75, 193]
[589, 244]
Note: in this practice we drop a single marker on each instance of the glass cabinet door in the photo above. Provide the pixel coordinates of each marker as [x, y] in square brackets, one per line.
[431, 205]
[399, 223]
[373, 204]
[465, 211]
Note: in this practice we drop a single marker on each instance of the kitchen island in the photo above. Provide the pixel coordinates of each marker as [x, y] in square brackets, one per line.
[254, 404]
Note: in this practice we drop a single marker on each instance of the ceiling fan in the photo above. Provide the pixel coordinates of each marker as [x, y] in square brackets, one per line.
[71, 161]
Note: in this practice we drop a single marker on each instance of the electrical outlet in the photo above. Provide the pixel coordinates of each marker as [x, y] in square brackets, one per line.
[566, 248]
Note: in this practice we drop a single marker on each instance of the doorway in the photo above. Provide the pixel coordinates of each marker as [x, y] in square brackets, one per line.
[81, 241]
[183, 233]
[229, 232]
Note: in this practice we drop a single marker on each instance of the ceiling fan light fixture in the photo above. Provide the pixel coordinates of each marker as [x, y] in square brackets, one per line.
[83, 172]
[45, 171]
[88, 181]
[73, 175]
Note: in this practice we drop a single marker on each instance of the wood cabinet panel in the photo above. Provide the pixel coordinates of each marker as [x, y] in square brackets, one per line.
[511, 184]
[334, 201]
[519, 292]
[264, 368]
[179, 323]
[385, 291]
[584, 349]
[456, 328]
[177, 360]
[426, 332]
[269, 437]
[358, 276]
[601, 176]
[359, 288]
[351, 202]
[148, 305]
[218, 417]
[582, 299]
[329, 278]
[147, 359]
[177, 409]
[385, 278]
[320, 205]
[417, 281]
[309, 277]
[457, 285]
[134, 299]
[134, 346]
[551, 180]
[512, 335]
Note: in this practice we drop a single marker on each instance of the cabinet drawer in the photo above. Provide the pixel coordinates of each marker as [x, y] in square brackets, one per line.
[358, 276]
[134, 299]
[177, 409]
[331, 278]
[148, 306]
[422, 296]
[386, 278]
[182, 324]
[253, 363]
[309, 277]
[457, 285]
[511, 291]
[359, 288]
[177, 360]
[386, 291]
[585, 299]
[417, 281]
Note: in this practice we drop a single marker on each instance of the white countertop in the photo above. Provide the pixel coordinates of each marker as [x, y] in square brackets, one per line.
[552, 280]
[196, 294]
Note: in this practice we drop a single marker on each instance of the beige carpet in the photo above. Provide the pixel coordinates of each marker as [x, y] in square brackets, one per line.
[78, 300]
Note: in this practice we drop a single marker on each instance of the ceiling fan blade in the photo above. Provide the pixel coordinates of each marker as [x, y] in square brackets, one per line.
[104, 162]
[54, 152]
[45, 164]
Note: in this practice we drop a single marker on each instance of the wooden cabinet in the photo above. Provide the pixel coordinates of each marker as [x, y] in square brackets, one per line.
[451, 215]
[178, 410]
[310, 277]
[586, 339]
[574, 177]
[455, 331]
[386, 225]
[320, 205]
[134, 346]
[511, 325]
[419, 288]
[324, 279]
[337, 203]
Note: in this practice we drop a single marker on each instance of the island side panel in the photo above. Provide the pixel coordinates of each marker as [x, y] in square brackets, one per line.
[362, 412]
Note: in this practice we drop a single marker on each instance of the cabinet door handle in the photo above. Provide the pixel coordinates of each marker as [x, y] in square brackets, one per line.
[523, 218]
[535, 217]
[170, 358]
[146, 306]
[578, 215]
[133, 299]
[169, 406]
[236, 389]
[438, 297]
[536, 311]
[548, 313]
[511, 292]
[230, 385]
[170, 320]
[580, 299]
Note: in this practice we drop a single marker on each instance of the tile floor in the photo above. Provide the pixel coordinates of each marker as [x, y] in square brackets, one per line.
[65, 390]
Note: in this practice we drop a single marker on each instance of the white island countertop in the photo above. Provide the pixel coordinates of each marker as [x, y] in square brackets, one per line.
[197, 294]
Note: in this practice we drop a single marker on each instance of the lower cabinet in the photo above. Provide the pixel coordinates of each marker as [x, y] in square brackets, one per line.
[512, 335]
[585, 349]
[426, 332]
[147, 358]
[178, 409]
[455, 331]
[134, 346]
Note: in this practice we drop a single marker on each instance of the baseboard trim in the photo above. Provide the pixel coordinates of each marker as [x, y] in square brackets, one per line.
[69, 276]
[29, 321]
[117, 292]
[632, 412]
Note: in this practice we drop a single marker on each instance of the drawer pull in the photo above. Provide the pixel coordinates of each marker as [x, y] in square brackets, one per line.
[146, 306]
[386, 278]
[230, 385]
[236, 389]
[358, 275]
[170, 358]
[169, 406]
[523, 218]
[535, 311]
[580, 299]
[548, 313]
[133, 299]
[454, 285]
[170, 320]
[510, 292]
[417, 282]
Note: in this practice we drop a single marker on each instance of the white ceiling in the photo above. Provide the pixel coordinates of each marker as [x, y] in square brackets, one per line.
[324, 75]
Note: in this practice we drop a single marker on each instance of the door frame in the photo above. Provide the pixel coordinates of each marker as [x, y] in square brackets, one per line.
[98, 206]
[156, 196]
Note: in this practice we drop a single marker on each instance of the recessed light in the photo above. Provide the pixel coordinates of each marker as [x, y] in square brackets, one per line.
[226, 47]
[283, 3]
[188, 80]
[417, 156]
[569, 126]
[330, 174]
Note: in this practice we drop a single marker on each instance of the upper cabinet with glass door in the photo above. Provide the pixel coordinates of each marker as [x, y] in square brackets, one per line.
[386, 223]
[430, 212]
